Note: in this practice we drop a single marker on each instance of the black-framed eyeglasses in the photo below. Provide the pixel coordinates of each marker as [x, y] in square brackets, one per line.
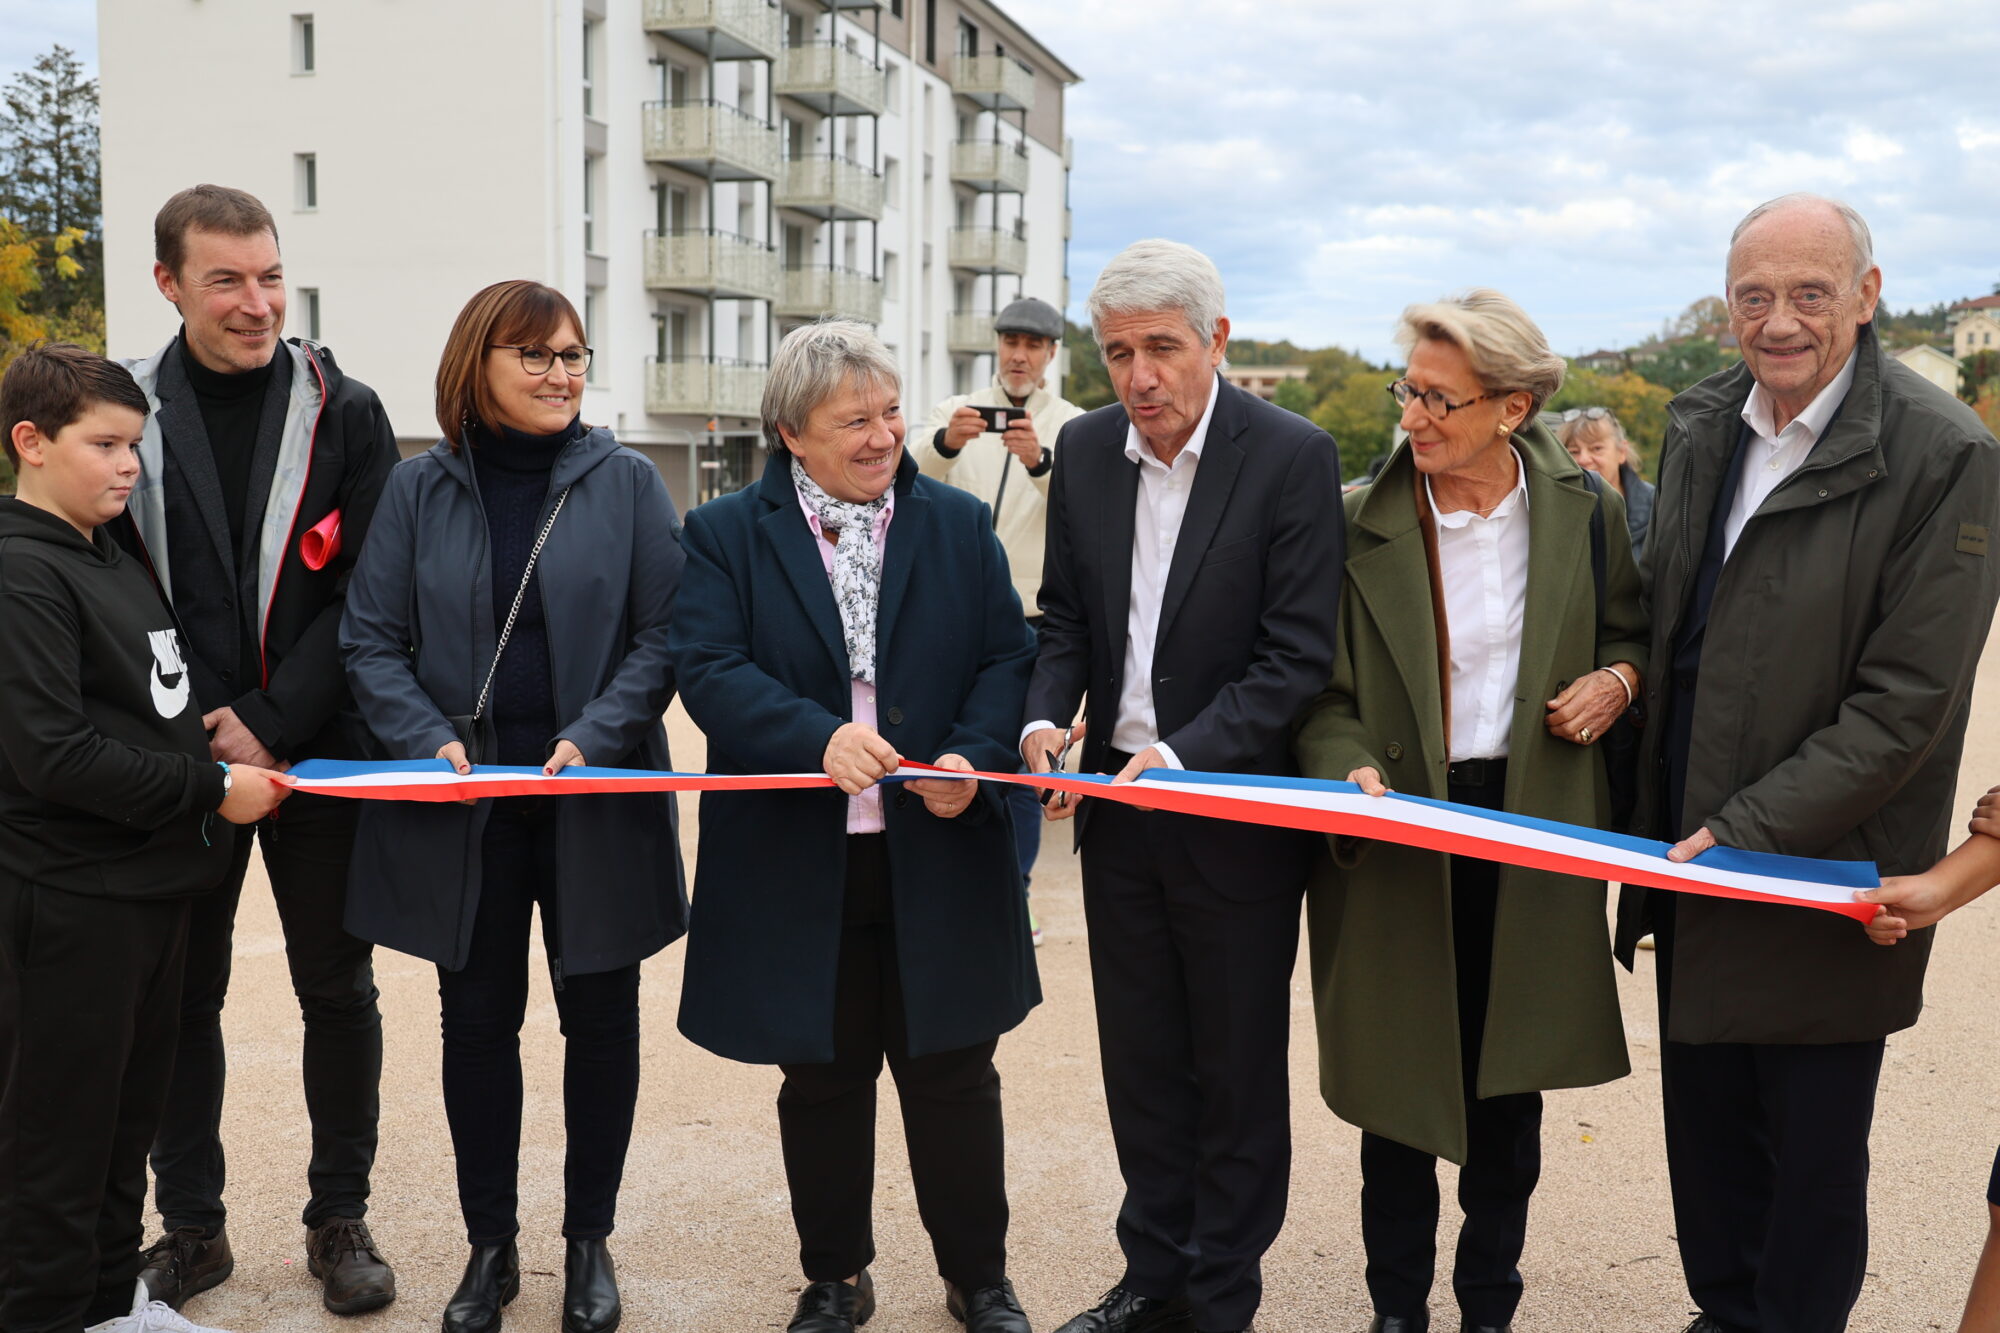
[537, 360]
[1434, 402]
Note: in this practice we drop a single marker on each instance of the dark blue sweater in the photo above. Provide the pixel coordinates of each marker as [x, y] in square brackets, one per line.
[512, 469]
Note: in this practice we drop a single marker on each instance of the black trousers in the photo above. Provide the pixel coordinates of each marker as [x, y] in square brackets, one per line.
[1193, 994]
[951, 1113]
[483, 1008]
[1767, 1152]
[1503, 1162]
[307, 846]
[89, 993]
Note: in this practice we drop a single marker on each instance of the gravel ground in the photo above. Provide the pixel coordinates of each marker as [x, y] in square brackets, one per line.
[705, 1240]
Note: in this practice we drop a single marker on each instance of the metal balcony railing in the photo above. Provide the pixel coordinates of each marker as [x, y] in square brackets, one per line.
[969, 331]
[813, 292]
[830, 186]
[733, 29]
[1000, 82]
[718, 262]
[986, 165]
[711, 138]
[704, 386]
[989, 249]
[832, 79]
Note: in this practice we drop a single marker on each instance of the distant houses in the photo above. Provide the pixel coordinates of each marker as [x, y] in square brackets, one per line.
[1933, 363]
[1264, 380]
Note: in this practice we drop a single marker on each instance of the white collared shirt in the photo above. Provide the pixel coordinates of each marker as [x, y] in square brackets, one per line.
[1157, 511]
[1484, 564]
[1773, 455]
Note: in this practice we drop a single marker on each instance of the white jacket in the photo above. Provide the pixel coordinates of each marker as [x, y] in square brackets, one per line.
[1022, 522]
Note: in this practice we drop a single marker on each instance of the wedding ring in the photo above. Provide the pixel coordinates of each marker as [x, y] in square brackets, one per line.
[1584, 735]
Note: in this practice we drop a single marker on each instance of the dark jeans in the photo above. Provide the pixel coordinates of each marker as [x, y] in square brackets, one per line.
[1193, 994]
[307, 846]
[1767, 1152]
[89, 998]
[1503, 1161]
[951, 1113]
[483, 1007]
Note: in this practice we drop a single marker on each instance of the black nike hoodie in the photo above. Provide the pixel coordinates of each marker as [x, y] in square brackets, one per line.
[106, 785]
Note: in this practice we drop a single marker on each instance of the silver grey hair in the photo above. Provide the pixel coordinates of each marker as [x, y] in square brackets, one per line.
[813, 362]
[1159, 275]
[1857, 229]
[1508, 350]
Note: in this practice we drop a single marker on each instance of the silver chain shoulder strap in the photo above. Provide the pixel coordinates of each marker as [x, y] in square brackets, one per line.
[514, 612]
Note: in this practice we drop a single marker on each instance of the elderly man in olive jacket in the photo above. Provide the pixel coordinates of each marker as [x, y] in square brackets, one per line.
[1820, 592]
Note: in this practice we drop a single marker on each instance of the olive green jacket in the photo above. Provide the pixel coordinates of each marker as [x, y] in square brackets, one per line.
[1384, 977]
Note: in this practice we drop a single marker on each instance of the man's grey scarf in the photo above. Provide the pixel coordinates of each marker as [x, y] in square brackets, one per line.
[857, 566]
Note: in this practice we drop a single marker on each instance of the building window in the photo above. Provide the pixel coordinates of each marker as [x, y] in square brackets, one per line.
[589, 68]
[305, 180]
[892, 273]
[309, 307]
[892, 180]
[304, 59]
[930, 32]
[968, 37]
[892, 86]
[593, 307]
[590, 205]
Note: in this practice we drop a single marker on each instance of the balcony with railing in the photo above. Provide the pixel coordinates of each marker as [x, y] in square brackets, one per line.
[711, 139]
[969, 331]
[732, 29]
[1000, 83]
[986, 165]
[831, 79]
[719, 263]
[813, 292]
[990, 249]
[704, 386]
[829, 186]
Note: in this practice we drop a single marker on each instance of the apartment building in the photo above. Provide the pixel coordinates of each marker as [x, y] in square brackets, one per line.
[698, 176]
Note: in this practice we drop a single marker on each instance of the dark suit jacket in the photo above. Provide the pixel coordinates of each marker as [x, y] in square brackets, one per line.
[1247, 622]
[762, 667]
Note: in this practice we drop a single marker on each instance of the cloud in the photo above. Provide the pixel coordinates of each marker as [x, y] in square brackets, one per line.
[1587, 156]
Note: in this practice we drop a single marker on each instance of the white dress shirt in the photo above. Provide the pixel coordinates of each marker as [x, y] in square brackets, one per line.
[1771, 455]
[1157, 511]
[1484, 564]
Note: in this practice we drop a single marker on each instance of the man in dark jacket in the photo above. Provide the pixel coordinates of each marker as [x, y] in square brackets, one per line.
[1821, 591]
[1191, 593]
[262, 468]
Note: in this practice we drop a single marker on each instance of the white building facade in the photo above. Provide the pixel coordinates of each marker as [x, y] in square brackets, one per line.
[697, 176]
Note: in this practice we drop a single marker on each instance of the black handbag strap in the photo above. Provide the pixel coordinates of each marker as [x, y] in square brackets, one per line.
[514, 612]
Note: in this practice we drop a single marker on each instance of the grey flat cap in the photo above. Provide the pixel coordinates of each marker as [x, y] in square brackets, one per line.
[1028, 315]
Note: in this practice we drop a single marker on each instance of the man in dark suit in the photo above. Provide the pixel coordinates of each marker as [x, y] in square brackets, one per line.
[1190, 593]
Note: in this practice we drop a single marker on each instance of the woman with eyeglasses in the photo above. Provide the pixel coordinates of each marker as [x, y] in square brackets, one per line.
[1490, 634]
[511, 607]
[1597, 442]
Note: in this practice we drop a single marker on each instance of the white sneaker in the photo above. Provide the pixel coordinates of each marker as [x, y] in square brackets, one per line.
[152, 1317]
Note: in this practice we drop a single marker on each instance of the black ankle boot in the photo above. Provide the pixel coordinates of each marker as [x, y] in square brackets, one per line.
[590, 1288]
[492, 1279]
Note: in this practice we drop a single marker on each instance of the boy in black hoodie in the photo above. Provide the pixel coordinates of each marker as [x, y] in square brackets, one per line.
[111, 817]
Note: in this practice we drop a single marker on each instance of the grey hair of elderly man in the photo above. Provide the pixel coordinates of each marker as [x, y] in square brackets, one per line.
[1159, 275]
[813, 362]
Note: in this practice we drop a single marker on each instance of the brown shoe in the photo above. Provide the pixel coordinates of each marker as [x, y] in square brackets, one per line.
[184, 1263]
[341, 1254]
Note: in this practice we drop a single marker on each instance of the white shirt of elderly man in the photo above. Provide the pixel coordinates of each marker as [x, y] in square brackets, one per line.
[1010, 468]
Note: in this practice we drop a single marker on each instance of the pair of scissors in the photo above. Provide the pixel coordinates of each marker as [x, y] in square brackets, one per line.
[1056, 761]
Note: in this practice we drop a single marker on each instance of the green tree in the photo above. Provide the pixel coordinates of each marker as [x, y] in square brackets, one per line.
[1087, 384]
[49, 175]
[1361, 417]
[1976, 373]
[1682, 364]
[1294, 396]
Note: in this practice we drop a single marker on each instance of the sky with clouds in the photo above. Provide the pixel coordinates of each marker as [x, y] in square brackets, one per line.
[1340, 159]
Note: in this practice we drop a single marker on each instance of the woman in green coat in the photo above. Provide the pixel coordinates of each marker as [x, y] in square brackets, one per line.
[1474, 665]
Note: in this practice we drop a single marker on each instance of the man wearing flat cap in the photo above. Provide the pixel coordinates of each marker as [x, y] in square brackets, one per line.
[1009, 470]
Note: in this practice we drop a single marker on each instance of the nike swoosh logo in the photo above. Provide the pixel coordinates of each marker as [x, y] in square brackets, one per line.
[169, 700]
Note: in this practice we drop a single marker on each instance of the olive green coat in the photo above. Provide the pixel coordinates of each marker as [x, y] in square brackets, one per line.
[1384, 977]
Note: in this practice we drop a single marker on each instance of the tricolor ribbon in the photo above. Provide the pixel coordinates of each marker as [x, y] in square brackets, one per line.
[1299, 803]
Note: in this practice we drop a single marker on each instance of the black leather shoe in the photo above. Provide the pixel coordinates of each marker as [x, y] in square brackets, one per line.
[1123, 1311]
[1400, 1323]
[342, 1255]
[992, 1309]
[590, 1288]
[492, 1279]
[1707, 1324]
[834, 1307]
[186, 1262]
[1467, 1326]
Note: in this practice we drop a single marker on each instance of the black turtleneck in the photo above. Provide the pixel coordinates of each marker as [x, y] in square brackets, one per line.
[231, 405]
[512, 469]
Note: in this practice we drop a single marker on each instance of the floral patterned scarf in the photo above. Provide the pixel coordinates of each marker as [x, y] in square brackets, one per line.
[857, 566]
